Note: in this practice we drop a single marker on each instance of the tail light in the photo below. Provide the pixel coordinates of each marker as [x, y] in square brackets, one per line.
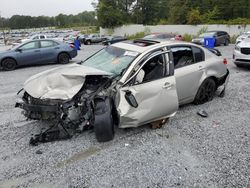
[225, 61]
[72, 46]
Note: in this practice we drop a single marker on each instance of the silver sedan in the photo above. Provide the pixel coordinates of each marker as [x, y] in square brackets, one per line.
[127, 84]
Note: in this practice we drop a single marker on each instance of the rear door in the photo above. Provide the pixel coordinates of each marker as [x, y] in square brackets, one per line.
[150, 94]
[220, 38]
[29, 53]
[49, 51]
[189, 62]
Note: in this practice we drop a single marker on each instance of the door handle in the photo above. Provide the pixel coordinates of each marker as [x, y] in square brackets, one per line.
[56, 48]
[167, 85]
[37, 50]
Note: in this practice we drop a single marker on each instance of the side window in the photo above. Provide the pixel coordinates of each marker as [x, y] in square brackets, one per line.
[183, 56]
[29, 46]
[198, 54]
[220, 33]
[36, 37]
[47, 44]
[152, 70]
[42, 37]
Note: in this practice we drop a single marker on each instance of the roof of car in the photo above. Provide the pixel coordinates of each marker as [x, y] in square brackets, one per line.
[142, 45]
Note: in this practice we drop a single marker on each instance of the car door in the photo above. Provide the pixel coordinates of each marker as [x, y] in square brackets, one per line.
[149, 99]
[189, 62]
[29, 53]
[49, 51]
[220, 38]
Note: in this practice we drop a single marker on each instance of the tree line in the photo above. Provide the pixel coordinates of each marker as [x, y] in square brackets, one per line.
[112, 13]
[86, 18]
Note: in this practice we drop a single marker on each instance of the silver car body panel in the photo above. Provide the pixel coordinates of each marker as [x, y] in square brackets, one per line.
[59, 83]
[155, 103]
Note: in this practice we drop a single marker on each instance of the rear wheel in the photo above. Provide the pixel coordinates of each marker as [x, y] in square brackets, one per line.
[104, 123]
[88, 42]
[63, 58]
[205, 92]
[9, 64]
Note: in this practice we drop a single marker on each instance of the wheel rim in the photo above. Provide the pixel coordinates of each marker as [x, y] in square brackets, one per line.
[9, 65]
[208, 91]
[64, 59]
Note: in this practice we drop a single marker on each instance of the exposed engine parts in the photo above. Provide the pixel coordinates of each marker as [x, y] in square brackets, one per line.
[69, 117]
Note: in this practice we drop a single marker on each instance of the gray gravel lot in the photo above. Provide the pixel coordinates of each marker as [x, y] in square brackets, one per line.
[189, 151]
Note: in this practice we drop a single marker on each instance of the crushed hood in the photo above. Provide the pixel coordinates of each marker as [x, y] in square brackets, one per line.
[60, 83]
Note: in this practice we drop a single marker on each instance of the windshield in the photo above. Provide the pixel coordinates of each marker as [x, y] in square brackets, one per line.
[111, 59]
[207, 34]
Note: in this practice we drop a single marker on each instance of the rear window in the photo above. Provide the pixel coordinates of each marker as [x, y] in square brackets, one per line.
[198, 54]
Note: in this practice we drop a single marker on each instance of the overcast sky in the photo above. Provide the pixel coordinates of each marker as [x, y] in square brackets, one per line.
[43, 7]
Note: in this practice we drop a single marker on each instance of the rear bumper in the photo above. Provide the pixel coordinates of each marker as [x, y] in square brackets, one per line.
[224, 79]
[222, 84]
[73, 53]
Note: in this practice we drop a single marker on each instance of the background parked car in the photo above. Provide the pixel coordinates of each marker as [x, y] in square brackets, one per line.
[82, 38]
[167, 36]
[221, 37]
[178, 37]
[40, 36]
[113, 39]
[37, 52]
[241, 54]
[94, 38]
[242, 37]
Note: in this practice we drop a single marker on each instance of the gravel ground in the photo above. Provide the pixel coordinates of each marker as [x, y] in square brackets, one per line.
[189, 151]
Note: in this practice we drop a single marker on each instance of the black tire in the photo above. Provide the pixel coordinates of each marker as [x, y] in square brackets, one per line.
[239, 65]
[88, 42]
[205, 92]
[9, 64]
[63, 58]
[104, 123]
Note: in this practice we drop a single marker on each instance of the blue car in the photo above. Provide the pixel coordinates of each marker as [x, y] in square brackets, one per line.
[37, 52]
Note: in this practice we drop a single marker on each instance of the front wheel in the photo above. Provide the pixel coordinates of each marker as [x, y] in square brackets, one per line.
[104, 123]
[205, 92]
[8, 64]
[63, 58]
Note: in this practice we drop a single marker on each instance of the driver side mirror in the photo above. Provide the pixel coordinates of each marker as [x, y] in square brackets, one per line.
[131, 99]
[19, 50]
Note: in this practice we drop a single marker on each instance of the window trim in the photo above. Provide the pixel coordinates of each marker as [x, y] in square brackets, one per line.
[38, 44]
[191, 47]
[203, 54]
[48, 41]
[144, 60]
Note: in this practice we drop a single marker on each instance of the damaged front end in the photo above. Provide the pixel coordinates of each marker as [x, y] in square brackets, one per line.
[68, 116]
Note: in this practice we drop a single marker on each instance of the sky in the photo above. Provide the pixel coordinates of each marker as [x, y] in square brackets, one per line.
[9, 8]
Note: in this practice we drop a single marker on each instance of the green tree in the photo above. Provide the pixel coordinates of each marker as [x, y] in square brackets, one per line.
[194, 17]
